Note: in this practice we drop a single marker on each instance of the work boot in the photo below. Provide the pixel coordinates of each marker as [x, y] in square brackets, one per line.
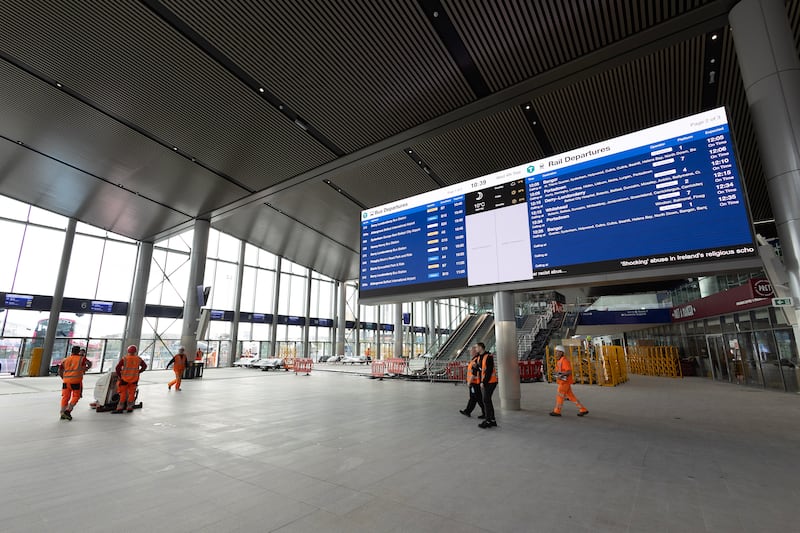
[169, 387]
[64, 416]
[555, 414]
[493, 423]
[583, 413]
[130, 410]
[116, 411]
[464, 412]
[68, 415]
[485, 424]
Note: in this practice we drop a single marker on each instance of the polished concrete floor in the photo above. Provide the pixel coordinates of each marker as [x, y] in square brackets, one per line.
[244, 450]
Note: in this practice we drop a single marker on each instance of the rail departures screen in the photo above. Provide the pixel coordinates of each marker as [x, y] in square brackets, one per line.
[664, 196]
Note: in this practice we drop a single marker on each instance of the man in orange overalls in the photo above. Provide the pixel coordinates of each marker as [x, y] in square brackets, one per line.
[565, 380]
[71, 371]
[179, 359]
[128, 370]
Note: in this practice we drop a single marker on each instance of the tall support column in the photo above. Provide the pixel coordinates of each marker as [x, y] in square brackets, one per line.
[133, 326]
[273, 330]
[237, 305]
[341, 318]
[398, 330]
[505, 327]
[431, 324]
[358, 329]
[307, 328]
[58, 299]
[378, 333]
[770, 71]
[197, 271]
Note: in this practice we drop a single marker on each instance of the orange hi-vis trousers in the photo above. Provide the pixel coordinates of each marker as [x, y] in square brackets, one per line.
[177, 380]
[565, 393]
[70, 394]
[127, 394]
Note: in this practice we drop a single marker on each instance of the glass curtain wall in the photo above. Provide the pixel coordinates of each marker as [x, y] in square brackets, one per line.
[101, 268]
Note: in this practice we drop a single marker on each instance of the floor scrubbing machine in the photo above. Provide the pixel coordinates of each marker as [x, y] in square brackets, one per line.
[106, 396]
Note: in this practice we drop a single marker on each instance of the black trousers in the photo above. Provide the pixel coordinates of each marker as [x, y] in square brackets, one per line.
[475, 398]
[488, 389]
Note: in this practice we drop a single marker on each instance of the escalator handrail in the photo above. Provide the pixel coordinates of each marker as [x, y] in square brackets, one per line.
[444, 347]
[471, 334]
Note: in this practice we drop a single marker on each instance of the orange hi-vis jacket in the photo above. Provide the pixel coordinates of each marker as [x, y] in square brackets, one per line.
[563, 365]
[474, 371]
[131, 364]
[488, 368]
[73, 369]
[180, 362]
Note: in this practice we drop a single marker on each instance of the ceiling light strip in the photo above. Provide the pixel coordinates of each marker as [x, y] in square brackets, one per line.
[455, 46]
[423, 166]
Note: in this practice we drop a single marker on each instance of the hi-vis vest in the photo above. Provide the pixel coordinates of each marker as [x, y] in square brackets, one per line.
[474, 371]
[563, 365]
[73, 368]
[493, 377]
[130, 368]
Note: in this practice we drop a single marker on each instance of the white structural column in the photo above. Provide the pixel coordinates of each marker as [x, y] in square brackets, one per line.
[431, 324]
[341, 318]
[197, 271]
[770, 71]
[58, 299]
[307, 328]
[273, 331]
[505, 327]
[133, 325]
[237, 305]
[398, 330]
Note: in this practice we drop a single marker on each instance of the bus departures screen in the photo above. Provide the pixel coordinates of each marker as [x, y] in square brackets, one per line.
[666, 195]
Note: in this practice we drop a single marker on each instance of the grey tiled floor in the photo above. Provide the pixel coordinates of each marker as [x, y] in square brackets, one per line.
[243, 450]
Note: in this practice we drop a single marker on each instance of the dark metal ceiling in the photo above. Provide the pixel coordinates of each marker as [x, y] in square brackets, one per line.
[280, 120]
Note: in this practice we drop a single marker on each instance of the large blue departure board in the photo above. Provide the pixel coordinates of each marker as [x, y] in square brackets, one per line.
[663, 196]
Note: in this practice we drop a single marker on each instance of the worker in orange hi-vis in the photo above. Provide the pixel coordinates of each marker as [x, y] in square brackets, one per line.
[71, 371]
[128, 370]
[565, 380]
[179, 360]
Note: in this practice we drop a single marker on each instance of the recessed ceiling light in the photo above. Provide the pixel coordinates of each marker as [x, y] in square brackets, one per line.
[261, 89]
[175, 148]
[19, 143]
[527, 106]
[58, 85]
[714, 37]
[410, 151]
[435, 14]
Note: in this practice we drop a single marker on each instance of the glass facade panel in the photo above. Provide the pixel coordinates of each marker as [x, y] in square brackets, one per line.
[117, 271]
[84, 267]
[12, 233]
[39, 259]
[46, 218]
[13, 209]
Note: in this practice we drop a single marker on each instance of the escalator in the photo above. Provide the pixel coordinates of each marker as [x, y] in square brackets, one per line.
[460, 338]
[484, 333]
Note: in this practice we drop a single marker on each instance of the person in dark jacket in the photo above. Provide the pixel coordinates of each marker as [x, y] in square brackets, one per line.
[488, 384]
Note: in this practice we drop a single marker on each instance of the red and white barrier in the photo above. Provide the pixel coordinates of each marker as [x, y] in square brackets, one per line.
[303, 365]
[378, 369]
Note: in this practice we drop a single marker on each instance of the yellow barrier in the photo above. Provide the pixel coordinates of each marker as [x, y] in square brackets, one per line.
[661, 361]
[605, 367]
[36, 361]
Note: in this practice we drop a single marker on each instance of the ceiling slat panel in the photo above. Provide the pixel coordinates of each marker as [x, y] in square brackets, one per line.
[53, 123]
[357, 71]
[129, 63]
[634, 96]
[385, 180]
[489, 145]
[513, 41]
